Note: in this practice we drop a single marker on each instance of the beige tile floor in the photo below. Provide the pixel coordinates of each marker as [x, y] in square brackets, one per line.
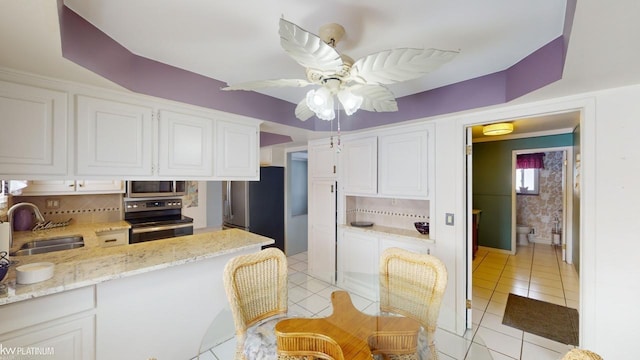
[536, 271]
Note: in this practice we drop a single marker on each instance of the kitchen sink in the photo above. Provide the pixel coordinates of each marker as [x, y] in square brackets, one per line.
[48, 245]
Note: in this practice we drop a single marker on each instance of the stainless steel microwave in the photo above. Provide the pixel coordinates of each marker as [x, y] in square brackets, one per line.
[161, 188]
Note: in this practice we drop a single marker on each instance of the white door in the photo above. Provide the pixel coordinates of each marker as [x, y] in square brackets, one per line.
[322, 230]
[469, 227]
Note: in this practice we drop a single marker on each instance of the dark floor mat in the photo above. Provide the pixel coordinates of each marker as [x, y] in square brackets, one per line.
[541, 318]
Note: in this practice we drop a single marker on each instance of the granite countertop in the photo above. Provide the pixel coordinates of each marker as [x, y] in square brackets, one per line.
[410, 234]
[93, 264]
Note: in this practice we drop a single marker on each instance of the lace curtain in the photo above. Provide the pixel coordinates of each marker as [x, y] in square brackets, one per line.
[530, 161]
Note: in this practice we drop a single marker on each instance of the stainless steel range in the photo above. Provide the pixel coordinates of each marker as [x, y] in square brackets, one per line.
[155, 219]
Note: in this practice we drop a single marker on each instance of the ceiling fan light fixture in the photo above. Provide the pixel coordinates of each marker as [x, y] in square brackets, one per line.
[320, 101]
[350, 102]
[497, 129]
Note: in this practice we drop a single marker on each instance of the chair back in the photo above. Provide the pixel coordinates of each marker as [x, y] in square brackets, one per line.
[412, 285]
[581, 354]
[256, 286]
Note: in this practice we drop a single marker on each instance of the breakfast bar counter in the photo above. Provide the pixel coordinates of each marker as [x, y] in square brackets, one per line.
[153, 299]
[93, 264]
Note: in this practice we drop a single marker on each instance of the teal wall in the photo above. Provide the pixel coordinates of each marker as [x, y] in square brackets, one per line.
[492, 184]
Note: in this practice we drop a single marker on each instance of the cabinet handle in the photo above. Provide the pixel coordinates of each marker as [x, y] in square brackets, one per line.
[71, 185]
[110, 240]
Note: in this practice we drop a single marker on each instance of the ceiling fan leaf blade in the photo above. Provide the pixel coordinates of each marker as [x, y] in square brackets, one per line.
[261, 84]
[302, 110]
[396, 65]
[308, 49]
[376, 98]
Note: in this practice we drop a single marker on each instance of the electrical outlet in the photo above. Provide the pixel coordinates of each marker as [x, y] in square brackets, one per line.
[52, 203]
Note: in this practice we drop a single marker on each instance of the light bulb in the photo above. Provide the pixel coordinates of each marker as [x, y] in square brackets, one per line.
[349, 101]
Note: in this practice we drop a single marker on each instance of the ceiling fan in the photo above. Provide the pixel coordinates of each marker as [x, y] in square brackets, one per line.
[357, 84]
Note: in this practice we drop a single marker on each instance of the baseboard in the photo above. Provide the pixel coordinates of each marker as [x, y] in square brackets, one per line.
[494, 250]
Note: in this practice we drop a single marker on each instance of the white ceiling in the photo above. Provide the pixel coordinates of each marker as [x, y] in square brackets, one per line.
[226, 41]
[238, 41]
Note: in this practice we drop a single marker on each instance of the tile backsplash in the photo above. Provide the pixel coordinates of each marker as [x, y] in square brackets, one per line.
[397, 213]
[81, 208]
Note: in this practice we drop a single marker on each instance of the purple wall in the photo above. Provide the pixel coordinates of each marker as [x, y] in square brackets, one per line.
[89, 47]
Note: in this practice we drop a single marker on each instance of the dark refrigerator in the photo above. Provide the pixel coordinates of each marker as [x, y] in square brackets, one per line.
[257, 206]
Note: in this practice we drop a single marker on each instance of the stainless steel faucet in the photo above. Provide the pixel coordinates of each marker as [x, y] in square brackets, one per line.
[13, 208]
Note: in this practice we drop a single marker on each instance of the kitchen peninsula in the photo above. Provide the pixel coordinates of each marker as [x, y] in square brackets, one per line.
[140, 301]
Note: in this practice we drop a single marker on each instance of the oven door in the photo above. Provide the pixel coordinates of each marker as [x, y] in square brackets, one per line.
[149, 233]
[160, 188]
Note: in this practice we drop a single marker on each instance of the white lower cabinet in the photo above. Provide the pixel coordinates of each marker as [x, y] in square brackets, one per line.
[65, 339]
[359, 254]
[358, 263]
[59, 326]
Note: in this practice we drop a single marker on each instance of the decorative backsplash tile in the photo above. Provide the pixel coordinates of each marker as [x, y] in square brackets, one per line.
[398, 213]
[81, 208]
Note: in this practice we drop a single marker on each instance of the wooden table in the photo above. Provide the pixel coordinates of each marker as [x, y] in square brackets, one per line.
[358, 335]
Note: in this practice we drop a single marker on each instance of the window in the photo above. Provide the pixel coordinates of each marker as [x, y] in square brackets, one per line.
[527, 181]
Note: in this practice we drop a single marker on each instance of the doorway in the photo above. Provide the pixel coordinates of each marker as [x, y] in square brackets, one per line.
[296, 220]
[542, 198]
[497, 270]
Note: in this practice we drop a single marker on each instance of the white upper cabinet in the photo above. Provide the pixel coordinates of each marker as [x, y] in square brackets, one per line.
[359, 164]
[33, 131]
[80, 133]
[185, 144]
[322, 159]
[403, 162]
[237, 150]
[113, 138]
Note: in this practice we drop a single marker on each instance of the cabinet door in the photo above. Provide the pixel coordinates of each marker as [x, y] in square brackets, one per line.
[100, 186]
[113, 138]
[237, 151]
[403, 164]
[64, 339]
[359, 165]
[33, 135]
[185, 145]
[48, 187]
[358, 263]
[322, 162]
[322, 230]
[409, 245]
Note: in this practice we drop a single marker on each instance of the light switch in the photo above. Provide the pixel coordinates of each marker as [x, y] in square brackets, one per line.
[448, 219]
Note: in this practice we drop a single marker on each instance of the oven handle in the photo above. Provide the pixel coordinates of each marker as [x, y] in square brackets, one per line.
[159, 228]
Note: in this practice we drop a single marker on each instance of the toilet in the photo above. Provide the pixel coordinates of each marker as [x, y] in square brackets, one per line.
[522, 231]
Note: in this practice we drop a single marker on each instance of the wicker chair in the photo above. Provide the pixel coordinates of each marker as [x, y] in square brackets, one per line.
[256, 286]
[579, 354]
[413, 285]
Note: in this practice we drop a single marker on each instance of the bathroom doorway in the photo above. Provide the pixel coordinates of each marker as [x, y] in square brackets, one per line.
[542, 198]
